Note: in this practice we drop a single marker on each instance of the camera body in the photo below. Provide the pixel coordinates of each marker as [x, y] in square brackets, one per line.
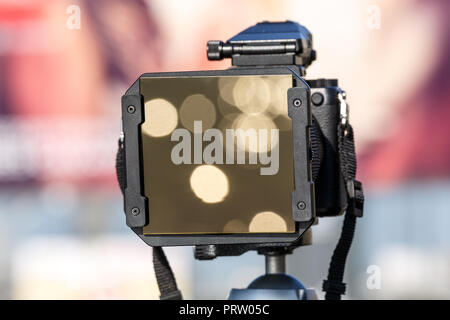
[331, 198]
[314, 111]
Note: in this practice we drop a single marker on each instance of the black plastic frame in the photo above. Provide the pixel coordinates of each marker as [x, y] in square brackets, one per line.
[303, 184]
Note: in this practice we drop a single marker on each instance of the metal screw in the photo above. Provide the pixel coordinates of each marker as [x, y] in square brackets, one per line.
[297, 102]
[301, 205]
[131, 109]
[135, 211]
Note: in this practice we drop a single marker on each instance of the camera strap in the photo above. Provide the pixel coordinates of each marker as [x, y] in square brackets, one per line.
[334, 286]
[164, 276]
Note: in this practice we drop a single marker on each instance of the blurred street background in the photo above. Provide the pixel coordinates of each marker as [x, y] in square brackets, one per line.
[64, 66]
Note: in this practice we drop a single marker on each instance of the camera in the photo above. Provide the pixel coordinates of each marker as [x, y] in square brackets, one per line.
[241, 159]
[244, 157]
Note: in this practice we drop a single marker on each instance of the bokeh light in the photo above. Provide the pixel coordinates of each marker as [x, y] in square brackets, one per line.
[235, 226]
[209, 183]
[249, 126]
[197, 107]
[161, 118]
[267, 221]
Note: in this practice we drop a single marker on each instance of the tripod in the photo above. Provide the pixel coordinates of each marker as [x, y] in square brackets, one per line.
[275, 284]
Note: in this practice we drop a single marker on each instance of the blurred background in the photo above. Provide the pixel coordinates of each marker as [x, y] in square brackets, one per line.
[64, 66]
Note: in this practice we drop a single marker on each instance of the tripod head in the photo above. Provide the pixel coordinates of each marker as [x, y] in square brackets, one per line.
[209, 252]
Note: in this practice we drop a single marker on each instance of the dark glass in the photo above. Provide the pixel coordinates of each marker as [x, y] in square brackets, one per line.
[224, 180]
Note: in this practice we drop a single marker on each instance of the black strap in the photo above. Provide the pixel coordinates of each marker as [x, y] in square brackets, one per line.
[120, 166]
[334, 286]
[164, 275]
